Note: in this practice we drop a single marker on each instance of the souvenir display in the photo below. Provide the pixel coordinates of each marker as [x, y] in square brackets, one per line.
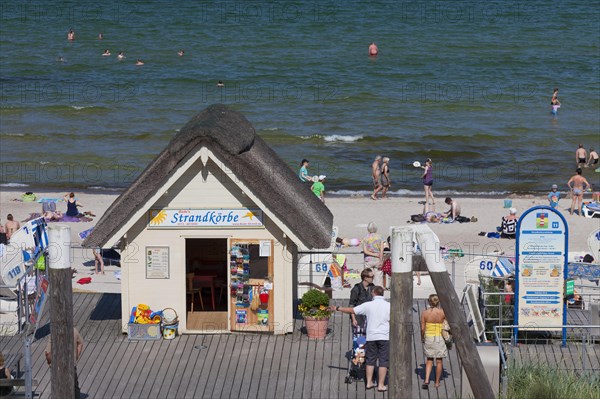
[240, 275]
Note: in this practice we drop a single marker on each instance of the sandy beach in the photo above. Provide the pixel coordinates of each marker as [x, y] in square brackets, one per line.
[351, 216]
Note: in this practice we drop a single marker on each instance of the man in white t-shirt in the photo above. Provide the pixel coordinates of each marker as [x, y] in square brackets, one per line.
[377, 313]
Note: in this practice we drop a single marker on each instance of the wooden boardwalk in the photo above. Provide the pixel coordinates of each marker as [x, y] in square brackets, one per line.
[577, 356]
[220, 366]
[216, 366]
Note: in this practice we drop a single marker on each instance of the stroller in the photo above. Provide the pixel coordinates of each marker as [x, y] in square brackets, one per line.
[356, 358]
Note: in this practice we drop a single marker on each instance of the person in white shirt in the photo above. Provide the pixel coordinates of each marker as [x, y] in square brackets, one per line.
[377, 313]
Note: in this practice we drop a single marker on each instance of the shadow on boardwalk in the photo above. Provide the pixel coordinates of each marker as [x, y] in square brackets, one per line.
[216, 366]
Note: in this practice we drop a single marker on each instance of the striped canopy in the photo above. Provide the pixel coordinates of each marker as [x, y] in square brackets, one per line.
[504, 267]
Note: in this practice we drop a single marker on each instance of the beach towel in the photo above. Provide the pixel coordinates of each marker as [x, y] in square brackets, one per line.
[65, 218]
[55, 200]
[48, 207]
[83, 235]
[84, 280]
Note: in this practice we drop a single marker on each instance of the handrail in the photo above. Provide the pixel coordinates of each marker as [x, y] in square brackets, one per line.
[503, 356]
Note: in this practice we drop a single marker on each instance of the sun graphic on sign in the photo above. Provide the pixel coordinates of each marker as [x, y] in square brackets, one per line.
[249, 214]
[157, 218]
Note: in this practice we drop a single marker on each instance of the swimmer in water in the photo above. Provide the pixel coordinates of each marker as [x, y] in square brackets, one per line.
[100, 36]
[121, 56]
[71, 35]
[139, 62]
[60, 59]
[373, 50]
[554, 102]
[220, 83]
[181, 53]
[555, 107]
[106, 53]
[554, 95]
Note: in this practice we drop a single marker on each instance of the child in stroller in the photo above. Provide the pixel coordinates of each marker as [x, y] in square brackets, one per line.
[356, 364]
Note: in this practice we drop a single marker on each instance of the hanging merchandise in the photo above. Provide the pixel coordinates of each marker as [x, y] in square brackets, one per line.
[241, 316]
[239, 264]
[255, 301]
[263, 317]
[264, 297]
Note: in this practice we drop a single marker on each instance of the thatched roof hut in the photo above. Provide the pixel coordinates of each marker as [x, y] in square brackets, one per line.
[229, 136]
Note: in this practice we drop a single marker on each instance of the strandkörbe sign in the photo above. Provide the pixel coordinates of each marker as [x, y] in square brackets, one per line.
[204, 218]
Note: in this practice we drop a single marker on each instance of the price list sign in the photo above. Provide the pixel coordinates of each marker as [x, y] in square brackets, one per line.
[157, 262]
[541, 269]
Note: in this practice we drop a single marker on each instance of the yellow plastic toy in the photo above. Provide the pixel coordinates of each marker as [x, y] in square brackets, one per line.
[142, 315]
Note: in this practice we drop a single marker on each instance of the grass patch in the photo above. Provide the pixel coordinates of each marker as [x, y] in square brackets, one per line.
[539, 382]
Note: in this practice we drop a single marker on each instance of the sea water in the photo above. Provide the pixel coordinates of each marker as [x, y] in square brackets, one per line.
[465, 83]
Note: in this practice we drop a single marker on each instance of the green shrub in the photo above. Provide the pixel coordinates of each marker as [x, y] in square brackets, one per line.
[315, 304]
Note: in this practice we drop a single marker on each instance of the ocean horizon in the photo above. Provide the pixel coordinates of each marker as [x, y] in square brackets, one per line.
[467, 84]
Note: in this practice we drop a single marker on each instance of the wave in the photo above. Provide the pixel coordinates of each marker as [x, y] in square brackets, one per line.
[333, 138]
[102, 188]
[114, 135]
[75, 107]
[419, 193]
[58, 109]
[14, 185]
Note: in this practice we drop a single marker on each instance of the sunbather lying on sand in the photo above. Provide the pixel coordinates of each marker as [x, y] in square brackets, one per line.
[52, 215]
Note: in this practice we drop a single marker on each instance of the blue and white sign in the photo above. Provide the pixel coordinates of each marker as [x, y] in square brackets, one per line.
[205, 218]
[541, 268]
[26, 244]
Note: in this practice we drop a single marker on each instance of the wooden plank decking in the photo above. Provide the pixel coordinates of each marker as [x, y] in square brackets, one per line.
[228, 365]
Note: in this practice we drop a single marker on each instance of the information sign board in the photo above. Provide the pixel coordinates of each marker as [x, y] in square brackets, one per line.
[541, 269]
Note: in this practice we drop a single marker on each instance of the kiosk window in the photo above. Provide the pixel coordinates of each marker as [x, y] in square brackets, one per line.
[259, 266]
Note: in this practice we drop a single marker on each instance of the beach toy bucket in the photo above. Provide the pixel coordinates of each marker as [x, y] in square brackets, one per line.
[170, 332]
[263, 317]
[507, 203]
[169, 317]
[170, 323]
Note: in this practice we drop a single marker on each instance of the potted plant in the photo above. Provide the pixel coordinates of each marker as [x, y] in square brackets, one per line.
[315, 311]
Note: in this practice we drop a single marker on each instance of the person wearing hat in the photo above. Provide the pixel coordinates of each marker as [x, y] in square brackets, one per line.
[509, 224]
[318, 187]
[554, 196]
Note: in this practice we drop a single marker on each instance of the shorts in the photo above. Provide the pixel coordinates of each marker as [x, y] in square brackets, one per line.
[428, 183]
[378, 350]
[577, 191]
[581, 160]
[595, 161]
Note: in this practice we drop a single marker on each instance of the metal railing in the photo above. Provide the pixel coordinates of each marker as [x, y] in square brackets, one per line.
[25, 330]
[588, 336]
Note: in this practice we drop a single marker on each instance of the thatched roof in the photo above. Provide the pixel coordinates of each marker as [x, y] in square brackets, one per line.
[233, 140]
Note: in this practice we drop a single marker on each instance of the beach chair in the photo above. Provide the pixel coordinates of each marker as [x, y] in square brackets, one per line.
[591, 209]
[504, 267]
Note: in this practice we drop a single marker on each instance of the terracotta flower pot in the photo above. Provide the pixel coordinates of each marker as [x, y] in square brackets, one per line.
[316, 328]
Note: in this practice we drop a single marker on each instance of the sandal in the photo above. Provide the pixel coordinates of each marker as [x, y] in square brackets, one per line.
[425, 385]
